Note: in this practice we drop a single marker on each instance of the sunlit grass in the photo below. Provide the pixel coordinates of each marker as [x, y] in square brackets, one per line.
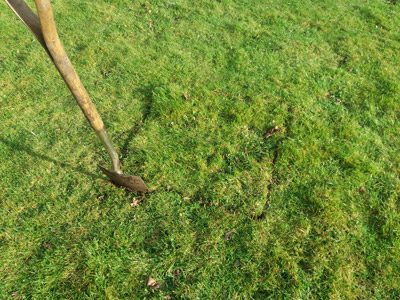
[268, 132]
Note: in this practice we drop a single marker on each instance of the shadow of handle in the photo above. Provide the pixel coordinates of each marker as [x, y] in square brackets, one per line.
[23, 148]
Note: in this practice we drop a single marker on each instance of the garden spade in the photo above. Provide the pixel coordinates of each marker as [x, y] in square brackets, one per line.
[44, 29]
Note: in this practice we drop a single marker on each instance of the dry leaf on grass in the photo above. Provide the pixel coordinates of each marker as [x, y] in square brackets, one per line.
[271, 132]
[135, 202]
[16, 294]
[228, 235]
[48, 246]
[152, 284]
[175, 273]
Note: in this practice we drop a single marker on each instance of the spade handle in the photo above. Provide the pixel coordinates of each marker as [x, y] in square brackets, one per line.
[64, 65]
[44, 29]
[71, 78]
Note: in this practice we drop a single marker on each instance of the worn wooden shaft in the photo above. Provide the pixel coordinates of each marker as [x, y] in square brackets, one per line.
[64, 65]
[71, 78]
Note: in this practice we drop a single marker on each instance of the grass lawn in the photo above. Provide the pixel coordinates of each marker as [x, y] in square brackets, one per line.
[268, 132]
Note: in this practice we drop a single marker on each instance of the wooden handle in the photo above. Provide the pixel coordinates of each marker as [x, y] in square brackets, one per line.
[64, 65]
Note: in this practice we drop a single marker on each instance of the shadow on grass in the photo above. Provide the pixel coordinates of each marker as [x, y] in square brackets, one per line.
[26, 149]
[147, 93]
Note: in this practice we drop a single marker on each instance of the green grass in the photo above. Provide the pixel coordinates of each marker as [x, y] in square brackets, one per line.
[310, 211]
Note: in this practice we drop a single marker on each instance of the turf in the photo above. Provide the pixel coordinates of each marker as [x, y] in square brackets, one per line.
[268, 132]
